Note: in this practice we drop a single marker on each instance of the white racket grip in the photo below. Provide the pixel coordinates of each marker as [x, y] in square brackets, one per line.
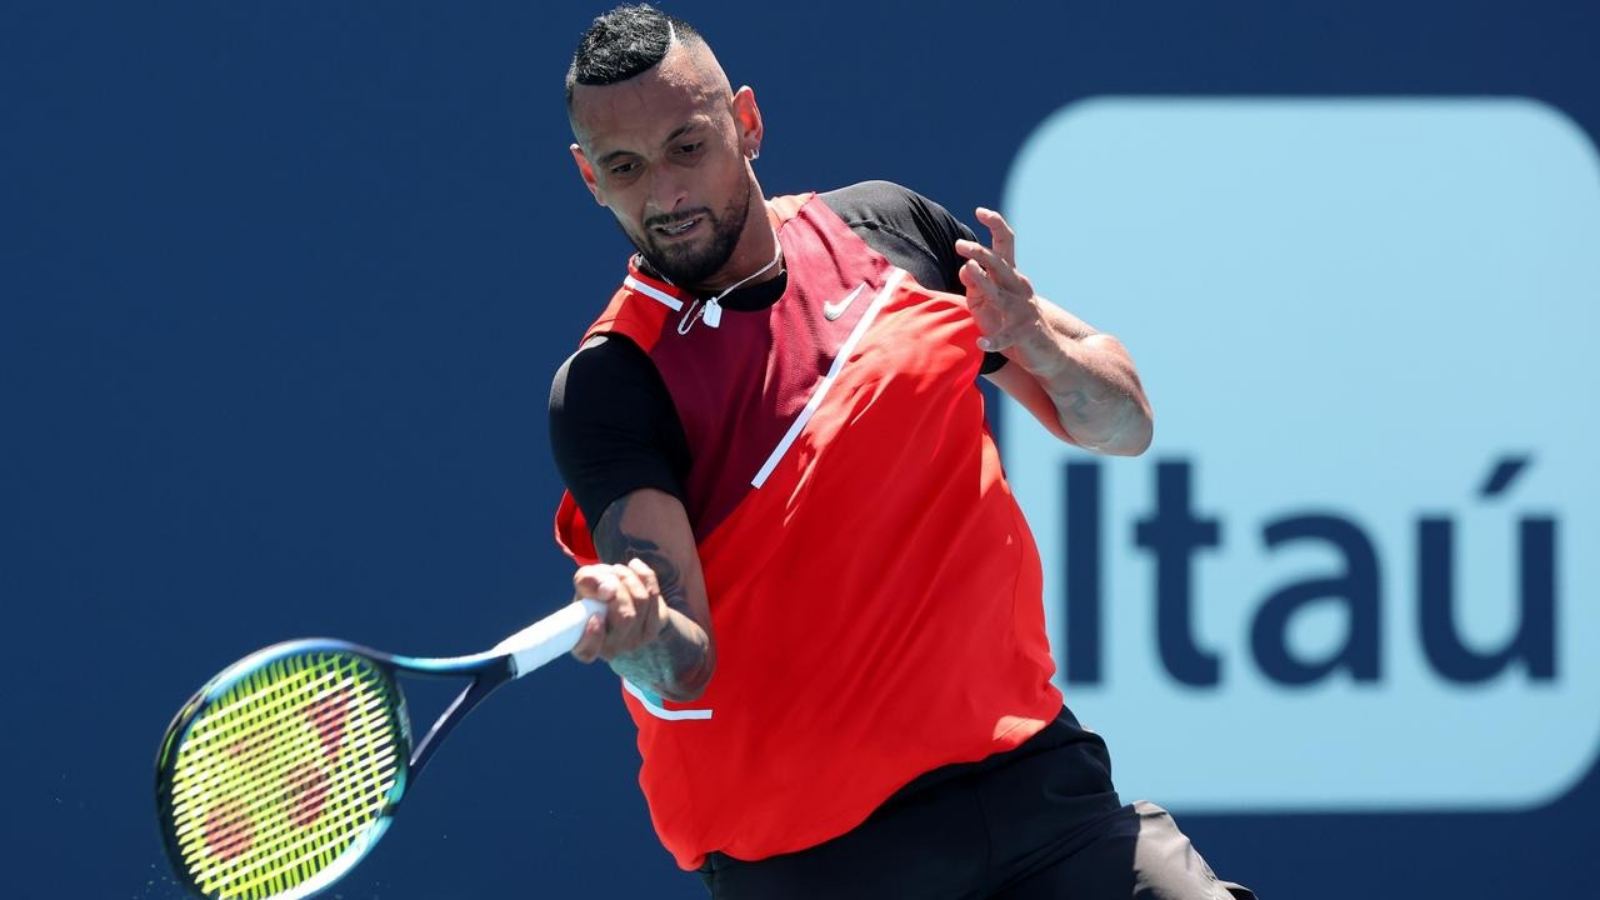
[552, 636]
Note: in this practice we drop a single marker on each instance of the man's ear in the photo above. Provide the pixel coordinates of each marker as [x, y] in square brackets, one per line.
[748, 117]
[586, 172]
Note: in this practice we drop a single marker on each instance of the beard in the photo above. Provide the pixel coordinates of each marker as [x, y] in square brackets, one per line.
[688, 265]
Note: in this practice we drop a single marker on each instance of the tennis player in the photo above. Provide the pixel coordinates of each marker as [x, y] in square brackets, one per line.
[823, 601]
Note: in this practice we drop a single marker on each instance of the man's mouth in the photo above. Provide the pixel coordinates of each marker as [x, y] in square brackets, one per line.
[678, 228]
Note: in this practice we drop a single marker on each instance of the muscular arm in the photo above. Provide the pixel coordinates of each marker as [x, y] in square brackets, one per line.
[1081, 384]
[669, 649]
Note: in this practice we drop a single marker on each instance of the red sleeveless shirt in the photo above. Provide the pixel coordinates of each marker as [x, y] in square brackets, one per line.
[875, 593]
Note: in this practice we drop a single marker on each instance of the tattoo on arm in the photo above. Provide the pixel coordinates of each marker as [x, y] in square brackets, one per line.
[1074, 402]
[617, 545]
[675, 663]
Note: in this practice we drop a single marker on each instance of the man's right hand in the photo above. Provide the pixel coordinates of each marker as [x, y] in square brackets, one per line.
[635, 612]
[656, 631]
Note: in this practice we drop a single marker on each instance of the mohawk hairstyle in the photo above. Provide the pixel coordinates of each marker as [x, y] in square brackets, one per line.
[624, 42]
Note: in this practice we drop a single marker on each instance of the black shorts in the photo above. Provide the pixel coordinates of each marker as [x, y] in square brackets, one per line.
[1039, 821]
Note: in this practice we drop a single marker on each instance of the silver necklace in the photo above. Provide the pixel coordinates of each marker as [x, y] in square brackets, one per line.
[711, 310]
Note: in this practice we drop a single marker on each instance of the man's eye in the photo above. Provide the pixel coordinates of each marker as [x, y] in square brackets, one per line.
[623, 168]
[690, 148]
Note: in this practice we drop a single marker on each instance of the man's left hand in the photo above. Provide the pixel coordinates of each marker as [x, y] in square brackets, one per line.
[1001, 298]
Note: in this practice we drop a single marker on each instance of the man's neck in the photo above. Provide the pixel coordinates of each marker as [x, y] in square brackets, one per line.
[757, 247]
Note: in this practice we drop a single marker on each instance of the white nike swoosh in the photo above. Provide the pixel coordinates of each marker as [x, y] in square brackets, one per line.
[831, 311]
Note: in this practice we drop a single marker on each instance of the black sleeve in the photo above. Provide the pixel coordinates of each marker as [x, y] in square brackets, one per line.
[913, 232]
[613, 428]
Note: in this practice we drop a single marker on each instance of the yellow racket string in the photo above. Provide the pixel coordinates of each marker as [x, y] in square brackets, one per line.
[295, 790]
[280, 775]
[249, 742]
[288, 809]
[264, 758]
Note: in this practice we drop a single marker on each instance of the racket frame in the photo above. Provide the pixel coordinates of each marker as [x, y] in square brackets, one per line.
[512, 658]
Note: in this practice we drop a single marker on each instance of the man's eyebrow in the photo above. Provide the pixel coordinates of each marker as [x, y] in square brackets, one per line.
[678, 132]
[606, 160]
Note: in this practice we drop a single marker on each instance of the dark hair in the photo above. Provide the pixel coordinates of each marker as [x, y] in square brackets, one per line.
[624, 42]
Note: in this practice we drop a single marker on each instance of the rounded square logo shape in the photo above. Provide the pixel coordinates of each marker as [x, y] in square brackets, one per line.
[1358, 569]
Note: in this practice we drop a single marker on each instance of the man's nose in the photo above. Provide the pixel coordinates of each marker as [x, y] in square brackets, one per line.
[668, 193]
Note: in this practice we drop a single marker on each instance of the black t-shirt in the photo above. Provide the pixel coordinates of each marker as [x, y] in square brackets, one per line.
[613, 427]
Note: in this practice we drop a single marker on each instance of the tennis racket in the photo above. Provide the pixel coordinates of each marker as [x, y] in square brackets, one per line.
[283, 771]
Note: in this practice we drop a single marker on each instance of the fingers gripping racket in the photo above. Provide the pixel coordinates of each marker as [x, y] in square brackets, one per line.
[283, 771]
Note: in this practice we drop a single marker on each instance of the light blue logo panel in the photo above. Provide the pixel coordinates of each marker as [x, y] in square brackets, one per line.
[1360, 568]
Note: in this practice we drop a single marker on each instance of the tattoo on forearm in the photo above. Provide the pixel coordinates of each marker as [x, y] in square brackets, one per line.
[675, 663]
[1074, 402]
[617, 545]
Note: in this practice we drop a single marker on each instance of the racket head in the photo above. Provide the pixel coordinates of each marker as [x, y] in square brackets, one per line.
[282, 771]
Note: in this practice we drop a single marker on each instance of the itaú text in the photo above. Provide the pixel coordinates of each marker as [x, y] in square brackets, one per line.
[1174, 537]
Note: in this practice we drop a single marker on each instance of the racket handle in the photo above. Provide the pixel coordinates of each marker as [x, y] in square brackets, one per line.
[552, 636]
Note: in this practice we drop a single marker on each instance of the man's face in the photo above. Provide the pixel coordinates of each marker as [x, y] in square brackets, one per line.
[663, 152]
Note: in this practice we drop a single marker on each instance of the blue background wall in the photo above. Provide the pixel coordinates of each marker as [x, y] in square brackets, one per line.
[281, 289]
